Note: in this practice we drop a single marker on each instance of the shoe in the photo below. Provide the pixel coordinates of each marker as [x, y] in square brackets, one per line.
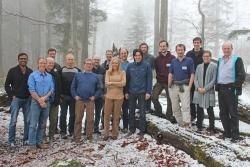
[97, 132]
[64, 136]
[84, 134]
[90, 138]
[70, 135]
[236, 139]
[141, 134]
[12, 145]
[124, 130]
[42, 146]
[222, 136]
[105, 138]
[212, 131]
[186, 125]
[32, 150]
[199, 130]
[25, 143]
[114, 137]
[129, 134]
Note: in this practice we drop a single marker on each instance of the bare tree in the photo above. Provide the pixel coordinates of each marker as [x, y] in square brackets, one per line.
[202, 23]
[85, 32]
[156, 26]
[1, 49]
[164, 20]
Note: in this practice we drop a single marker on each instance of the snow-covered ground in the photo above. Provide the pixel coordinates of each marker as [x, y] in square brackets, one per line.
[131, 151]
[244, 99]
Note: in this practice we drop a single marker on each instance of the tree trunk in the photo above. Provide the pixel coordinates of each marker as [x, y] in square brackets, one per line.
[20, 27]
[164, 20]
[202, 24]
[74, 31]
[217, 29]
[1, 37]
[156, 26]
[85, 32]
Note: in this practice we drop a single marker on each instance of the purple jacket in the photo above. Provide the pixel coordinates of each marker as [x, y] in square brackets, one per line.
[162, 64]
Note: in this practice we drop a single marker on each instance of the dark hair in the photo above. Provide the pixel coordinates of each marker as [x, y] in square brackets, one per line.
[163, 41]
[51, 50]
[22, 54]
[197, 39]
[180, 46]
[207, 51]
[143, 43]
[88, 59]
[137, 50]
[109, 51]
[124, 49]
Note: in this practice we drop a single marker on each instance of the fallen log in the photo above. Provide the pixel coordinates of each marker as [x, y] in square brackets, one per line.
[209, 150]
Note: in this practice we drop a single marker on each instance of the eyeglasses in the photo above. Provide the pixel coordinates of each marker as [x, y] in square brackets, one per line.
[22, 58]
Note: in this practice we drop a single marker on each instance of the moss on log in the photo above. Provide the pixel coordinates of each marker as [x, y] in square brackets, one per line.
[201, 147]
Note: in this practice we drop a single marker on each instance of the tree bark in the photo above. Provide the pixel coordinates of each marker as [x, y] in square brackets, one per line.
[164, 20]
[1, 37]
[202, 23]
[156, 26]
[85, 32]
[217, 29]
[74, 31]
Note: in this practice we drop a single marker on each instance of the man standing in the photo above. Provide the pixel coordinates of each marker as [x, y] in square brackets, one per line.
[57, 68]
[150, 60]
[230, 77]
[100, 72]
[109, 56]
[52, 54]
[17, 89]
[85, 94]
[41, 88]
[180, 80]
[55, 101]
[138, 87]
[162, 65]
[196, 54]
[123, 53]
[68, 73]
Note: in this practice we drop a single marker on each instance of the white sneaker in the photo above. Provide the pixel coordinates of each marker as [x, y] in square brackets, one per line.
[12, 145]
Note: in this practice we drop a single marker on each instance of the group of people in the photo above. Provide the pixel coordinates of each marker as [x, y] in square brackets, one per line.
[114, 90]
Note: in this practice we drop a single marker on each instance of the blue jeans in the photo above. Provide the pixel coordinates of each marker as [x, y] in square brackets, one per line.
[15, 106]
[98, 109]
[125, 119]
[132, 106]
[38, 119]
[67, 101]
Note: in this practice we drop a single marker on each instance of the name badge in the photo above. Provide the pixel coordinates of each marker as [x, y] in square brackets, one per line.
[168, 65]
[184, 67]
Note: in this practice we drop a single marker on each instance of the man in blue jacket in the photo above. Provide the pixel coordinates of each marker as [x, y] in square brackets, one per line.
[138, 87]
[85, 88]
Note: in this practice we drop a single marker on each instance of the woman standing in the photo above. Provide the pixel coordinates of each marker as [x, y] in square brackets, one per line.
[115, 80]
[204, 94]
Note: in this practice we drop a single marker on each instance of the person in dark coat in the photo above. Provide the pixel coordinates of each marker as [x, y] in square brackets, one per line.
[230, 77]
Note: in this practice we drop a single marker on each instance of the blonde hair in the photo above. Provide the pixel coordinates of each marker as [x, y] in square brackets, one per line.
[110, 70]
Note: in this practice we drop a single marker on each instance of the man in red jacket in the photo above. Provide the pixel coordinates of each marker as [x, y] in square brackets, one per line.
[162, 64]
